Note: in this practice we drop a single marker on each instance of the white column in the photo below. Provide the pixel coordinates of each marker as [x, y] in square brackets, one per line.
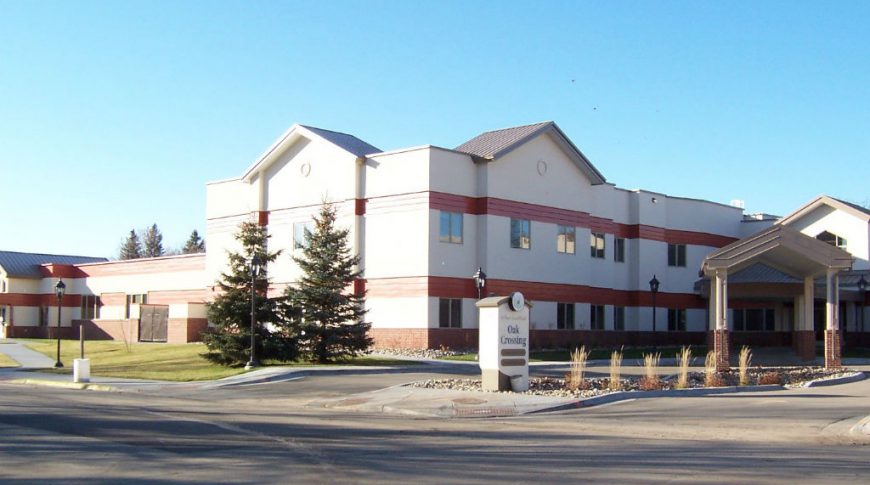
[809, 297]
[723, 324]
[715, 299]
[832, 305]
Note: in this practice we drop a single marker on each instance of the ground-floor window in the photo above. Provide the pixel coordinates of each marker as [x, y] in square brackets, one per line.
[754, 319]
[450, 312]
[43, 316]
[676, 320]
[565, 316]
[90, 307]
[619, 318]
[134, 300]
[596, 317]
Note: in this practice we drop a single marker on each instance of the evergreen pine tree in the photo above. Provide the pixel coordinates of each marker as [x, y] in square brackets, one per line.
[328, 318]
[194, 244]
[131, 248]
[229, 342]
[153, 242]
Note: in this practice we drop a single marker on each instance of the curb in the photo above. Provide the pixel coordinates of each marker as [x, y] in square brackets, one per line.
[855, 377]
[84, 386]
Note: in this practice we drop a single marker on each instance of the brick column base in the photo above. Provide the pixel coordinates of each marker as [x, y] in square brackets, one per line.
[721, 347]
[832, 349]
[804, 344]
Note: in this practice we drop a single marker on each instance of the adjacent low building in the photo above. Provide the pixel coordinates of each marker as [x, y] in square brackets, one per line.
[527, 207]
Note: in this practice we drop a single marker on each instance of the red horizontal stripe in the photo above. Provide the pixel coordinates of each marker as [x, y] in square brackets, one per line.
[34, 299]
[449, 287]
[554, 215]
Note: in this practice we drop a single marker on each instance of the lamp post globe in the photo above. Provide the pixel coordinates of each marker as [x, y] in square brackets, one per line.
[59, 290]
[479, 281]
[654, 289]
[256, 266]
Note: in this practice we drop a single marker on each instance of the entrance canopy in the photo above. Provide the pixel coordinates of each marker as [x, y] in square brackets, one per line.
[782, 248]
[792, 253]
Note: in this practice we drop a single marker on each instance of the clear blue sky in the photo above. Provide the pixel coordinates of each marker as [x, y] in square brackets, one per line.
[114, 115]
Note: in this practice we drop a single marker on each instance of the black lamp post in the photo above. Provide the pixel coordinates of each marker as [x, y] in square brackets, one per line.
[862, 287]
[59, 290]
[479, 281]
[256, 265]
[654, 288]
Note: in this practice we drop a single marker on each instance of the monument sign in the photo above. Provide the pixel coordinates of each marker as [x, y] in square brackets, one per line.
[504, 343]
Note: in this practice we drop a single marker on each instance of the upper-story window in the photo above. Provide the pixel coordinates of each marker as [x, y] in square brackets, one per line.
[619, 249]
[300, 231]
[521, 233]
[565, 239]
[596, 245]
[450, 228]
[832, 239]
[677, 255]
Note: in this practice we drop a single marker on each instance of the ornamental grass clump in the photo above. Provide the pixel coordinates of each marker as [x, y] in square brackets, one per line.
[615, 370]
[684, 357]
[743, 365]
[574, 379]
[650, 381]
[711, 376]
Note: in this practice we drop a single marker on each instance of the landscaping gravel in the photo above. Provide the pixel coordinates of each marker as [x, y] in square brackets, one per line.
[555, 387]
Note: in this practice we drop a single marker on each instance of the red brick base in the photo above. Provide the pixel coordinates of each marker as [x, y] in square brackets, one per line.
[832, 349]
[722, 349]
[804, 344]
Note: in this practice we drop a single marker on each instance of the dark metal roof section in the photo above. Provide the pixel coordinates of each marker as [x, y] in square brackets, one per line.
[854, 206]
[494, 144]
[26, 265]
[346, 142]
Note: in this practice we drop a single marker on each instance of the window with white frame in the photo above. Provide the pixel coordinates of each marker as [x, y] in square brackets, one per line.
[596, 245]
[565, 316]
[450, 227]
[676, 320]
[450, 312]
[619, 318]
[596, 317]
[301, 233]
[677, 255]
[565, 239]
[619, 249]
[521, 233]
[832, 239]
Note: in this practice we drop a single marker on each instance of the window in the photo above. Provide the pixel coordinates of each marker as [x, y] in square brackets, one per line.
[677, 255]
[450, 312]
[619, 318]
[596, 245]
[140, 299]
[596, 317]
[521, 233]
[90, 307]
[832, 239]
[565, 316]
[565, 239]
[619, 249]
[43, 316]
[676, 320]
[300, 229]
[3, 286]
[754, 320]
[450, 230]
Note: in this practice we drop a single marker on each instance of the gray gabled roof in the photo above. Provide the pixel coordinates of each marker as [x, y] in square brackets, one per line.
[494, 144]
[344, 141]
[26, 265]
[854, 206]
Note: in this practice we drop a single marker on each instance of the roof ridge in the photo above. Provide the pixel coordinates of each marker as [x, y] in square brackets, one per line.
[50, 254]
[540, 123]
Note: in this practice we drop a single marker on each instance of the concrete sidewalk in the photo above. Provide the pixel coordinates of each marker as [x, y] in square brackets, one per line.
[26, 357]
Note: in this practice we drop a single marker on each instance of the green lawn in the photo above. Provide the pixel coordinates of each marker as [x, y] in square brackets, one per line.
[166, 362]
[7, 362]
[595, 354]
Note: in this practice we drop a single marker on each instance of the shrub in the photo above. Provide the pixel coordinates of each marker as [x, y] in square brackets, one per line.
[574, 379]
[743, 365]
[768, 378]
[711, 377]
[684, 357]
[650, 381]
[615, 370]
